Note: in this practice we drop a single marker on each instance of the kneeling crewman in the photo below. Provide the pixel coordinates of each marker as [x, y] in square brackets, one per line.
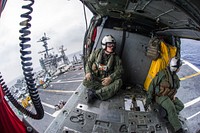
[163, 89]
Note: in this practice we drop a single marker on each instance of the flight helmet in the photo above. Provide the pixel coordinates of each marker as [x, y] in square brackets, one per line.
[175, 64]
[108, 39]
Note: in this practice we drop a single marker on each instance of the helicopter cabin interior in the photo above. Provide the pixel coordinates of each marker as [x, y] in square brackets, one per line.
[133, 44]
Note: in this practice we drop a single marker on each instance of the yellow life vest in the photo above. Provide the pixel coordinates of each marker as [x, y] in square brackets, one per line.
[167, 52]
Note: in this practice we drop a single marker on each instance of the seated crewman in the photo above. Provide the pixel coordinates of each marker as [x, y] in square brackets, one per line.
[103, 71]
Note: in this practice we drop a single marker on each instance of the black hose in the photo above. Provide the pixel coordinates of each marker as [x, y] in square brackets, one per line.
[27, 64]
[27, 69]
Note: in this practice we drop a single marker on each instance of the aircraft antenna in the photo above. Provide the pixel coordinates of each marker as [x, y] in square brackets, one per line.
[85, 16]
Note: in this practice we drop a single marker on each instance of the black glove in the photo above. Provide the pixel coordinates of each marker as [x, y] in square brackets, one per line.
[148, 102]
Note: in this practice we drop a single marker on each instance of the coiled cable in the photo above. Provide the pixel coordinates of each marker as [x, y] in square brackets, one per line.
[27, 68]
[26, 62]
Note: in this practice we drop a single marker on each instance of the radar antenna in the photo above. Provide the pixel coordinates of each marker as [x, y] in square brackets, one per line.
[45, 44]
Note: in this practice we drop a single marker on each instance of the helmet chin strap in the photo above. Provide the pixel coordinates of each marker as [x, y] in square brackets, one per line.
[108, 52]
[113, 50]
[174, 69]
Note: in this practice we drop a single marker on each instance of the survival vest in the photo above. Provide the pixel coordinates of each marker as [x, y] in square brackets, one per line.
[167, 86]
[103, 66]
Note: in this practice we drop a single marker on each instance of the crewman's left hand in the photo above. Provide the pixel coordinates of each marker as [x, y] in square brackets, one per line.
[174, 98]
[148, 102]
[106, 81]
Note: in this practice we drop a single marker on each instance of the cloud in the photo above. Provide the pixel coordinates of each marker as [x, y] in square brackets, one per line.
[62, 21]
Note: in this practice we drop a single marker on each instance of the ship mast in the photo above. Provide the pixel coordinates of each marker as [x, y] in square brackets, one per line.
[45, 45]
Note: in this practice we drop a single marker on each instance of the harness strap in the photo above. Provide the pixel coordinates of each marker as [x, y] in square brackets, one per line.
[166, 87]
[104, 67]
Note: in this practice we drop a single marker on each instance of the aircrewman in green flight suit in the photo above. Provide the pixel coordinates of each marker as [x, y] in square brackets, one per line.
[162, 90]
[103, 71]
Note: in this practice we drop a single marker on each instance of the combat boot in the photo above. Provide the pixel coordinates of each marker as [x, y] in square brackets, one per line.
[91, 96]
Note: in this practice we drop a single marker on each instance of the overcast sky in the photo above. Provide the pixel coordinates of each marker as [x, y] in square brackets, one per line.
[62, 20]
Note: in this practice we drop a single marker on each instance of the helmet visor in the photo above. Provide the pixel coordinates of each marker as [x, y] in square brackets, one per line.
[110, 44]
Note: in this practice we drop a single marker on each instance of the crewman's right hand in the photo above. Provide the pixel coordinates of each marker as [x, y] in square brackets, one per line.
[106, 81]
[88, 76]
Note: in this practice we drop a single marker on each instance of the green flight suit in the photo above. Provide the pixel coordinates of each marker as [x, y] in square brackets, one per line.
[172, 106]
[112, 67]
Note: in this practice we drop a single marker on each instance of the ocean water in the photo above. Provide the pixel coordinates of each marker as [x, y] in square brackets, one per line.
[190, 51]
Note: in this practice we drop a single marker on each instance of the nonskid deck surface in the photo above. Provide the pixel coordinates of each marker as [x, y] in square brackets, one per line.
[189, 93]
[61, 88]
[66, 84]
